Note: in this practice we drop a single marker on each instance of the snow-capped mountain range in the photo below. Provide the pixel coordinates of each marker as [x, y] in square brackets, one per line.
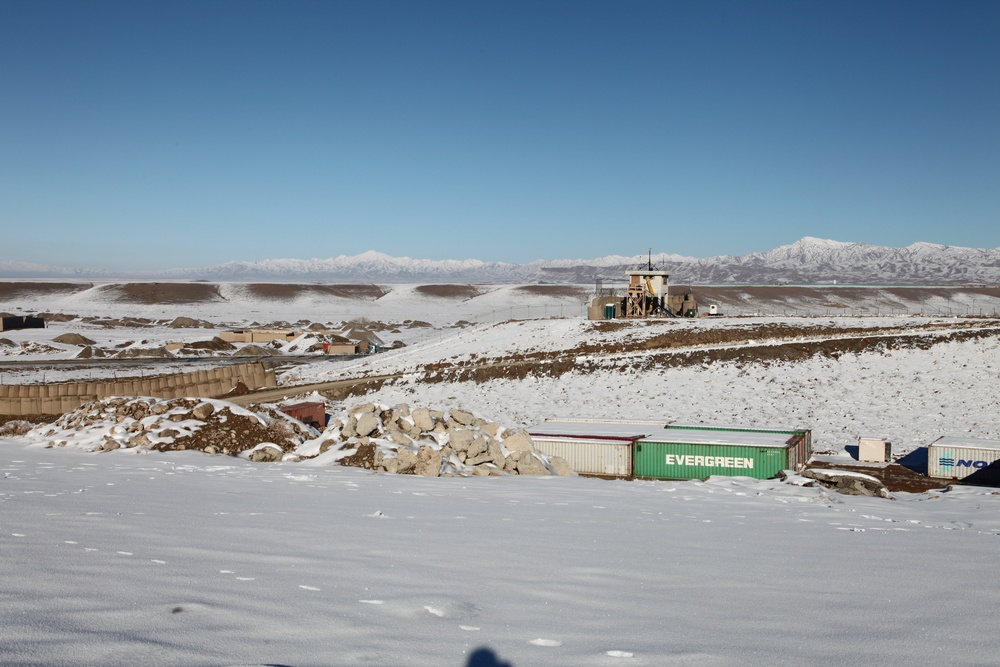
[808, 260]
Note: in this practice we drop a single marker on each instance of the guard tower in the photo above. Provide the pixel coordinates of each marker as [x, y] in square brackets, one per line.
[646, 295]
[647, 292]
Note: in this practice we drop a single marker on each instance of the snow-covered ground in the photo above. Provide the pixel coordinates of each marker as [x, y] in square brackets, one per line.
[181, 558]
[119, 559]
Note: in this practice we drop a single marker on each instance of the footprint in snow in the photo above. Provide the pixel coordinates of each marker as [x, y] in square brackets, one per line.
[546, 642]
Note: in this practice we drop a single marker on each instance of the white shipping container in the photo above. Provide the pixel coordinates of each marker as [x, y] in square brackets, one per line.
[607, 458]
[958, 458]
[591, 447]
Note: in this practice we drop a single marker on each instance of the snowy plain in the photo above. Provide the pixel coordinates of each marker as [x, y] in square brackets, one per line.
[121, 558]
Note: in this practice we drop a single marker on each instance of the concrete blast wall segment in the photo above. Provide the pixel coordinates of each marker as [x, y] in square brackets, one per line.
[22, 400]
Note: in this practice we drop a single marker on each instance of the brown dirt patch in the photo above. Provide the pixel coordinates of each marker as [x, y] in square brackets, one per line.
[233, 433]
[561, 291]
[34, 419]
[449, 291]
[363, 458]
[156, 293]
[348, 391]
[894, 476]
[12, 291]
[280, 291]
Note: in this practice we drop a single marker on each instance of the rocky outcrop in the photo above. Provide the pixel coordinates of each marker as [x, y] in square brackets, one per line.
[849, 483]
[433, 443]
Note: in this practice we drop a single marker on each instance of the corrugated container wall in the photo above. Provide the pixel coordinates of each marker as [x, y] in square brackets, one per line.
[675, 460]
[799, 438]
[605, 458]
[965, 459]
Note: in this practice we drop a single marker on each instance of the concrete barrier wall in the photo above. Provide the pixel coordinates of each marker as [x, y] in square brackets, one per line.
[33, 399]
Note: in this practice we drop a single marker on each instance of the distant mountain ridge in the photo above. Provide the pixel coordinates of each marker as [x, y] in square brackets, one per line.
[808, 260]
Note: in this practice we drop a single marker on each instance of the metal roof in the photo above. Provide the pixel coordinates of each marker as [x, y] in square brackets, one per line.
[594, 430]
[956, 441]
[734, 438]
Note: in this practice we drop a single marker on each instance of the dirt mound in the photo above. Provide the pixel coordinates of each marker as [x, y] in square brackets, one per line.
[894, 476]
[449, 291]
[188, 323]
[164, 293]
[253, 351]
[144, 353]
[563, 291]
[89, 352]
[177, 424]
[13, 291]
[56, 317]
[125, 322]
[73, 339]
[215, 345]
[285, 292]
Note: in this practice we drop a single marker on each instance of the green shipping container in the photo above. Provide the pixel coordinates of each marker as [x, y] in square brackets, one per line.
[800, 437]
[702, 453]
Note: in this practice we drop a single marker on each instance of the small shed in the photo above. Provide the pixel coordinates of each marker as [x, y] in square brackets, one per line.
[874, 450]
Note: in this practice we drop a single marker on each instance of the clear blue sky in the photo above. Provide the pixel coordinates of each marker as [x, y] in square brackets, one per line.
[181, 134]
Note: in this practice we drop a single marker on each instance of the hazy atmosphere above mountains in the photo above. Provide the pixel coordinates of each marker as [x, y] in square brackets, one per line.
[147, 136]
[809, 260]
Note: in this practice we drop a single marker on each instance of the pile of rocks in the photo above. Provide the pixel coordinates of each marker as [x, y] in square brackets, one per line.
[376, 437]
[433, 443]
[211, 426]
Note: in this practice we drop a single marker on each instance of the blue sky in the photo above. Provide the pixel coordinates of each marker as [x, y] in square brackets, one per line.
[183, 134]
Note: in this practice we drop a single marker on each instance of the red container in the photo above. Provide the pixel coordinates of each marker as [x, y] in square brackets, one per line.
[307, 412]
